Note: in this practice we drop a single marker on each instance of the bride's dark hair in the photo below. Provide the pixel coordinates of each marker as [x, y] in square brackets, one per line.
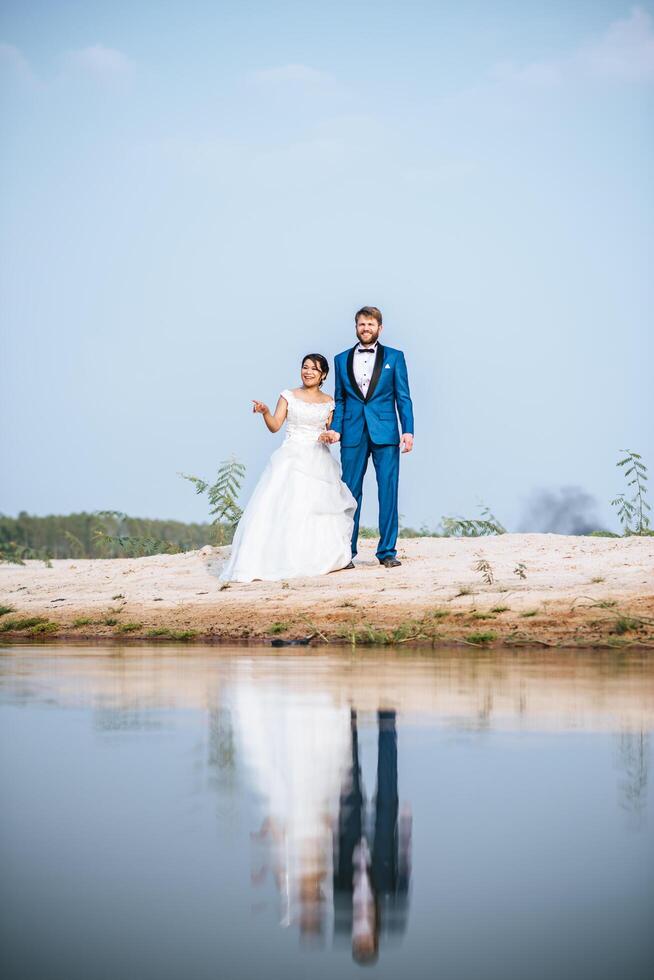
[322, 362]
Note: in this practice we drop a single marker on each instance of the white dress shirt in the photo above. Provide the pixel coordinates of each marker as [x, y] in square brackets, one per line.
[363, 366]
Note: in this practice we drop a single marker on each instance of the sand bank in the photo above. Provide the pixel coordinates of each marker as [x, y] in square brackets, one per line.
[576, 591]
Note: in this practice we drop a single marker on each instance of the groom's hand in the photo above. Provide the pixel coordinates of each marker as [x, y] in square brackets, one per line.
[406, 442]
[329, 436]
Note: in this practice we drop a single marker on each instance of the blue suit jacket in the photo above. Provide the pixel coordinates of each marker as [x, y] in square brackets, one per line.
[389, 387]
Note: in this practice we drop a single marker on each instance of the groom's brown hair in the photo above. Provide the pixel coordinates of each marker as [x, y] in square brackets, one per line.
[369, 311]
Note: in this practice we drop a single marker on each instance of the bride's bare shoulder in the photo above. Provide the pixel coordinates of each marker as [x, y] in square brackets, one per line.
[324, 398]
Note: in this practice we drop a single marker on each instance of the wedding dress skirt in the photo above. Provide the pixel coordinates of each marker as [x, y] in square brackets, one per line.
[300, 518]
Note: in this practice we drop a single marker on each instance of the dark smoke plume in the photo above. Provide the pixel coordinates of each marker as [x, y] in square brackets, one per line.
[569, 510]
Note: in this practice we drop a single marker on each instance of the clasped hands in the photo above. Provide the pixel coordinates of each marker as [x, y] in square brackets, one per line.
[406, 441]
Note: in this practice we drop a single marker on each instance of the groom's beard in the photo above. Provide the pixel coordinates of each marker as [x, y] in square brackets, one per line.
[370, 340]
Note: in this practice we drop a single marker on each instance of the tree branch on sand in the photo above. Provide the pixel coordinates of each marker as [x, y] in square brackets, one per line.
[632, 510]
[223, 494]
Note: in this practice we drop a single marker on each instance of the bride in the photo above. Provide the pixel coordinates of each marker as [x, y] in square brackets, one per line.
[299, 519]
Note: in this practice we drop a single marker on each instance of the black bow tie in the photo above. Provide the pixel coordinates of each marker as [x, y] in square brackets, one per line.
[365, 350]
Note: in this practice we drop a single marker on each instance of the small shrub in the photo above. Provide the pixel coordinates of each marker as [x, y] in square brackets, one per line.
[484, 567]
[500, 609]
[129, 627]
[110, 621]
[625, 624]
[406, 631]
[44, 628]
[529, 613]
[368, 635]
[169, 634]
[374, 636]
[278, 628]
[223, 494]
[128, 545]
[632, 511]
[459, 527]
[368, 532]
[6, 609]
[21, 624]
[82, 621]
[481, 638]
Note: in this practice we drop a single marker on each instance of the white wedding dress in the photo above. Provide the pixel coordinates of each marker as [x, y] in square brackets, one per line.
[300, 518]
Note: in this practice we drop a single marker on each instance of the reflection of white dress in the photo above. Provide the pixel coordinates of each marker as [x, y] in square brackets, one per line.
[300, 518]
[295, 745]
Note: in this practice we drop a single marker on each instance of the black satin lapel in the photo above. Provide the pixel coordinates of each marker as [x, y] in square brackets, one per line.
[350, 374]
[376, 371]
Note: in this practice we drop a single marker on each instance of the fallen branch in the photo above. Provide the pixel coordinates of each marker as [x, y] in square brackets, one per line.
[313, 626]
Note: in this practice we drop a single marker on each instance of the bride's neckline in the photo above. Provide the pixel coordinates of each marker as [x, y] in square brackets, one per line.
[305, 401]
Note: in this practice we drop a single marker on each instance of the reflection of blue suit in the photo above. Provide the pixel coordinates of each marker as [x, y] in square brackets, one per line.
[368, 427]
[391, 859]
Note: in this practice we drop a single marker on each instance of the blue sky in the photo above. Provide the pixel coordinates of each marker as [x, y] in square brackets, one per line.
[196, 194]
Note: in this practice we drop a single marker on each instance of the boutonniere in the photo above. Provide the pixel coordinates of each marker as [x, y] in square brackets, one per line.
[386, 366]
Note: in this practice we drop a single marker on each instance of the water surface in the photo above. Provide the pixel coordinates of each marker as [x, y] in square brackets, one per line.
[199, 813]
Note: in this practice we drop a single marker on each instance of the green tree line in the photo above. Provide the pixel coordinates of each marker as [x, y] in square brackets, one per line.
[102, 534]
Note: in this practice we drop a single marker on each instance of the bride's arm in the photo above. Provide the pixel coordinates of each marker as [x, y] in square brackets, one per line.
[273, 421]
[326, 435]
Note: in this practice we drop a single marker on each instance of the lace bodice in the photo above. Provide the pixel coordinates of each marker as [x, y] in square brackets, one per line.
[305, 421]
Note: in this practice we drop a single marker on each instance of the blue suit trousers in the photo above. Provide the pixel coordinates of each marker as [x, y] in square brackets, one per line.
[386, 460]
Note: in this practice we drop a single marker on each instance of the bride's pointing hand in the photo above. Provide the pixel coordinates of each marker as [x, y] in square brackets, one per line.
[260, 407]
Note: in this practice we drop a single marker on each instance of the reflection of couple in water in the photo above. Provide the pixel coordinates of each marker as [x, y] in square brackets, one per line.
[323, 845]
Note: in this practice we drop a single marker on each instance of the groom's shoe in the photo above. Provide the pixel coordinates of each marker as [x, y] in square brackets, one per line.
[389, 562]
[345, 567]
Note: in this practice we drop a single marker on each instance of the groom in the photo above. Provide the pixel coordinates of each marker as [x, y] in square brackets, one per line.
[370, 381]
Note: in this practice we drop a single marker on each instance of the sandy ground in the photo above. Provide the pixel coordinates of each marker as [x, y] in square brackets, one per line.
[577, 591]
